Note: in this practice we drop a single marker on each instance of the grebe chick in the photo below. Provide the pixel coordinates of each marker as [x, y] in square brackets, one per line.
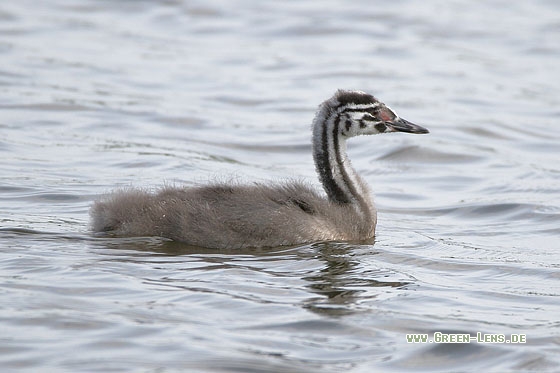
[223, 216]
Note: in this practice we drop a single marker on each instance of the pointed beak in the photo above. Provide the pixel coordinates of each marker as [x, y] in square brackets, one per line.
[403, 125]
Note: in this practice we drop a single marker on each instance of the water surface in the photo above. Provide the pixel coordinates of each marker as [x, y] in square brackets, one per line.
[102, 94]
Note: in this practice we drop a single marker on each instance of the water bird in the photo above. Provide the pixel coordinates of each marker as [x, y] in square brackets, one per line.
[232, 215]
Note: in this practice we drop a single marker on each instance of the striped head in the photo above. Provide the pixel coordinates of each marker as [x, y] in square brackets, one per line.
[358, 113]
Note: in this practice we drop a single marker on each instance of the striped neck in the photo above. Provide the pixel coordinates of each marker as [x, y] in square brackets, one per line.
[340, 181]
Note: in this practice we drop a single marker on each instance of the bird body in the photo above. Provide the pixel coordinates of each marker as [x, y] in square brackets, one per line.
[226, 215]
[219, 216]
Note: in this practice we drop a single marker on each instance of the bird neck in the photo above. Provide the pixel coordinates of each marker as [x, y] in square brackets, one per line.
[340, 181]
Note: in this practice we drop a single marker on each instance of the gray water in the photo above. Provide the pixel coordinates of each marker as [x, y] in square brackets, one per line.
[103, 94]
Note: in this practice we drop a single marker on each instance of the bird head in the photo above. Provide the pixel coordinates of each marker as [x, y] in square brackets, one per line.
[360, 113]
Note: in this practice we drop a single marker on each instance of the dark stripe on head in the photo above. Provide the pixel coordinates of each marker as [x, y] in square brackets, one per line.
[372, 110]
[354, 97]
[381, 127]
